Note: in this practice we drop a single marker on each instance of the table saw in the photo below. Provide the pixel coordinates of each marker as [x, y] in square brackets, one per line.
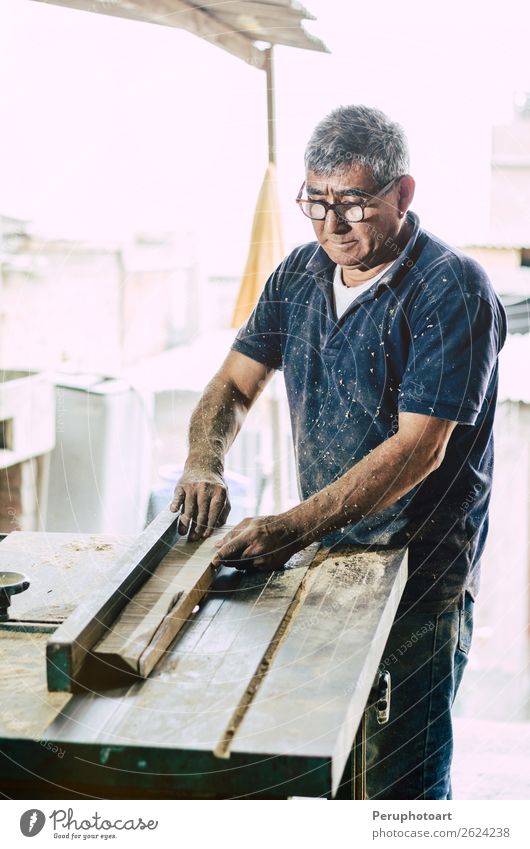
[262, 693]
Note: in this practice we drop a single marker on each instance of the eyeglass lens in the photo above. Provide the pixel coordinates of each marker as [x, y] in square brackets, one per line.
[317, 211]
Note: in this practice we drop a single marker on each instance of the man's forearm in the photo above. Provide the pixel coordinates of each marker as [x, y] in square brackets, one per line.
[377, 481]
[374, 483]
[214, 424]
[201, 493]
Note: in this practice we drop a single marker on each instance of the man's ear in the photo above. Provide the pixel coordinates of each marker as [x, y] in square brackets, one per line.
[406, 192]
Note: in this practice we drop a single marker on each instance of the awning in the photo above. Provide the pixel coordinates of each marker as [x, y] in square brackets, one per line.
[234, 25]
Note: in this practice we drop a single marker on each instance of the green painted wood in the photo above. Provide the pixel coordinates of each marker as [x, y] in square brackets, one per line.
[68, 647]
[46, 769]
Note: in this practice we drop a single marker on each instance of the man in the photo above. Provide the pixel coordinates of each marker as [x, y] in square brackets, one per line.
[388, 341]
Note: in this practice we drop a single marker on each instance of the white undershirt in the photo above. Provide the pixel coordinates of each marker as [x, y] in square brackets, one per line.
[346, 295]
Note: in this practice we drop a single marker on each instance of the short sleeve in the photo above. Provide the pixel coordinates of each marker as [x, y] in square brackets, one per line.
[455, 341]
[260, 336]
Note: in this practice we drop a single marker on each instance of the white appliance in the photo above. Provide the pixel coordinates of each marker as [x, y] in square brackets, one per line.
[100, 474]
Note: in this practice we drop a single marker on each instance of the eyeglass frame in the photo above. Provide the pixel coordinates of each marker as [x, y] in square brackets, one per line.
[337, 206]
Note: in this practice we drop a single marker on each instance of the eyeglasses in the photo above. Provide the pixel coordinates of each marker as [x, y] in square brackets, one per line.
[350, 212]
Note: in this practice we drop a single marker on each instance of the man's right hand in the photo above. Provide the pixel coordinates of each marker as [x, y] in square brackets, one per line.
[203, 496]
[202, 492]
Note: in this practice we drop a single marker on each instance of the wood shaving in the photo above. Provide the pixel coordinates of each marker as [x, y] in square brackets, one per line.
[88, 546]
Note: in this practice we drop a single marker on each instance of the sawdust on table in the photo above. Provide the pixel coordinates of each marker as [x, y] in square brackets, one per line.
[26, 706]
[93, 545]
[61, 561]
[362, 568]
[78, 546]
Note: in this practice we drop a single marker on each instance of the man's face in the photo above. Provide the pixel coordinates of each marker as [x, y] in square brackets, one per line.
[358, 245]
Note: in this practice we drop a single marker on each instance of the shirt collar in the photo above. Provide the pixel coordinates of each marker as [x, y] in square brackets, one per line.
[322, 267]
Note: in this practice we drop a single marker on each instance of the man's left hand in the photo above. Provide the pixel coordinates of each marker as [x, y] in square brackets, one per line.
[265, 541]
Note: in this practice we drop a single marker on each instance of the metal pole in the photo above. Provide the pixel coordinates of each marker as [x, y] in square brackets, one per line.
[271, 122]
[278, 459]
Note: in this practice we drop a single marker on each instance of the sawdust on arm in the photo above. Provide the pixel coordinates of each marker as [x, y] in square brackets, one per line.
[202, 492]
[377, 481]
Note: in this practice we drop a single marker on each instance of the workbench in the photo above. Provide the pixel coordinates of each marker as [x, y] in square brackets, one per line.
[261, 695]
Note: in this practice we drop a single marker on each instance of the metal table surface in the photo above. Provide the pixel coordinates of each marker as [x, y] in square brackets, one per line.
[261, 694]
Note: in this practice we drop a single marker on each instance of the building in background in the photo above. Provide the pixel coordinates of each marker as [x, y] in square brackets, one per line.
[506, 255]
[78, 313]
[95, 307]
[510, 179]
[497, 683]
[221, 294]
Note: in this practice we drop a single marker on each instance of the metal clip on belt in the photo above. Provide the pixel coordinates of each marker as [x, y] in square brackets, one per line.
[382, 703]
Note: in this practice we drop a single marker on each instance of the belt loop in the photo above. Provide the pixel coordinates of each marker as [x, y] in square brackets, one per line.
[462, 601]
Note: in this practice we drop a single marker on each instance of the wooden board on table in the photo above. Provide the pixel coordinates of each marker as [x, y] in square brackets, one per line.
[69, 646]
[155, 615]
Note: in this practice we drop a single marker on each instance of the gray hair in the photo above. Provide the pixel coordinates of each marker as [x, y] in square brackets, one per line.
[358, 135]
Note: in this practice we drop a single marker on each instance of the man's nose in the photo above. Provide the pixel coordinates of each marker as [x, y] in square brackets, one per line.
[333, 223]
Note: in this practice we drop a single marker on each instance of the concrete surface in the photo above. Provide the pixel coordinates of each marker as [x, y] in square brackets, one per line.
[491, 760]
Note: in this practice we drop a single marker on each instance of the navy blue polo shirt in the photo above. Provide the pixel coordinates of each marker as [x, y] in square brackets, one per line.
[424, 339]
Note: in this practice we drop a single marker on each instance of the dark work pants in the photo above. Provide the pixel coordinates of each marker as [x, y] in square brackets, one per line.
[410, 757]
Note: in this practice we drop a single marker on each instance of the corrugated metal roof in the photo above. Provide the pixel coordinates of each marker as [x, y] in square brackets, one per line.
[234, 25]
[505, 245]
[517, 312]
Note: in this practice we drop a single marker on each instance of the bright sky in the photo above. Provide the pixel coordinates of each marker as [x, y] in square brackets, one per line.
[111, 125]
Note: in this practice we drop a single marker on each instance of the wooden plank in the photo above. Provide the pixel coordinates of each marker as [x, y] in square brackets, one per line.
[312, 700]
[62, 568]
[67, 649]
[153, 618]
[91, 718]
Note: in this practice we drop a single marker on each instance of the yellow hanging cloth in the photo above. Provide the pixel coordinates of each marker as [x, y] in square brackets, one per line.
[266, 249]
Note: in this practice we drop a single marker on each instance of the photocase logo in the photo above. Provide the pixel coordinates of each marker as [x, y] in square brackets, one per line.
[32, 822]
